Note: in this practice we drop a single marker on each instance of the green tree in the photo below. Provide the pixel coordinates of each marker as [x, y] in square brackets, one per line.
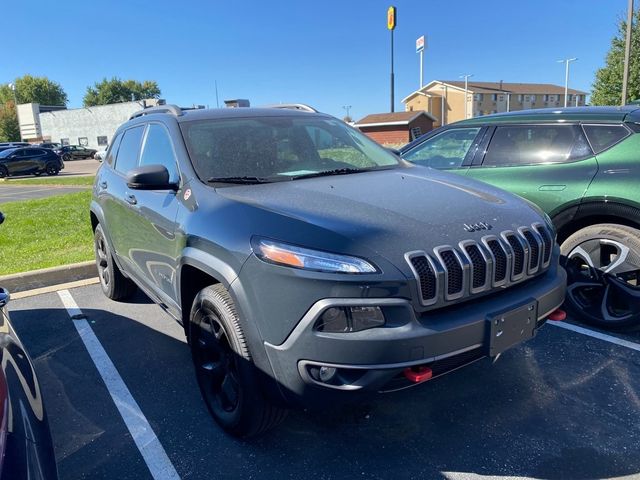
[30, 89]
[9, 128]
[117, 90]
[607, 88]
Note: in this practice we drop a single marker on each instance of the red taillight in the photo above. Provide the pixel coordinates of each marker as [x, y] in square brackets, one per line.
[418, 374]
[4, 415]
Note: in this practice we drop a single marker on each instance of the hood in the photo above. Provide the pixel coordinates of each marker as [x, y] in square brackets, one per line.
[393, 211]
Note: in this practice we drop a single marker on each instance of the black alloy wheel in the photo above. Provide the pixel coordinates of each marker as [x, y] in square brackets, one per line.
[113, 283]
[603, 275]
[52, 169]
[4, 172]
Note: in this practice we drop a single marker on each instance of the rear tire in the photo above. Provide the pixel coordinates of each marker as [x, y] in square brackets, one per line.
[114, 284]
[603, 275]
[52, 169]
[4, 173]
[226, 374]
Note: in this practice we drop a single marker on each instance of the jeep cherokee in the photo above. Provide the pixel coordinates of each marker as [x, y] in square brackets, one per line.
[309, 265]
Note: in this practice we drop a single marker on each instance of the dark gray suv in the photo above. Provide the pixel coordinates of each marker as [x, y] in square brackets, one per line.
[310, 266]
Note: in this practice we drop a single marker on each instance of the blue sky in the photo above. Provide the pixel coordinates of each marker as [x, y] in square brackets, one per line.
[328, 53]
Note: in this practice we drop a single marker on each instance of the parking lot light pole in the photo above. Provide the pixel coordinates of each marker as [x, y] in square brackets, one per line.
[566, 61]
[391, 26]
[627, 53]
[466, 92]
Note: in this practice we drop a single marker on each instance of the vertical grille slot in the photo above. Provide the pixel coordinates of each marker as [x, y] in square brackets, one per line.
[501, 260]
[454, 272]
[426, 277]
[478, 264]
[547, 243]
[518, 254]
[534, 249]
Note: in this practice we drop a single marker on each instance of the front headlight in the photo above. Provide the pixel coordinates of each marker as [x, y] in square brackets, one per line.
[298, 257]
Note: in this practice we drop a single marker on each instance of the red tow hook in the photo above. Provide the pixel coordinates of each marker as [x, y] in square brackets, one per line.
[557, 315]
[418, 374]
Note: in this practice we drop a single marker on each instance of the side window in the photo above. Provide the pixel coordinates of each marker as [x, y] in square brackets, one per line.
[129, 151]
[113, 149]
[534, 144]
[602, 137]
[444, 150]
[158, 150]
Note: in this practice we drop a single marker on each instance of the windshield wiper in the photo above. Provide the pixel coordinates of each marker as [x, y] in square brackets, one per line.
[240, 180]
[337, 171]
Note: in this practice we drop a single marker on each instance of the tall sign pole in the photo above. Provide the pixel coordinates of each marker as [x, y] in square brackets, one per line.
[420, 46]
[391, 26]
[627, 53]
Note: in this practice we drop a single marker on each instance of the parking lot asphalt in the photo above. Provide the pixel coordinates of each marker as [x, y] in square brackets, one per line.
[562, 406]
[14, 193]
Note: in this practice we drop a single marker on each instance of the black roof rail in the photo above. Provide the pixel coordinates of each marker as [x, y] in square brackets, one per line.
[294, 106]
[172, 109]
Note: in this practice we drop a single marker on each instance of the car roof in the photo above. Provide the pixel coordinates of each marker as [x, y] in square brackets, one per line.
[221, 113]
[606, 114]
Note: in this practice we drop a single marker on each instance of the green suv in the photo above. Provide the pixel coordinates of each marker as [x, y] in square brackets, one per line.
[582, 167]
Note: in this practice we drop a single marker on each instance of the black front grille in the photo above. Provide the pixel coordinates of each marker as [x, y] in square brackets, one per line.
[534, 250]
[547, 242]
[427, 277]
[501, 260]
[479, 266]
[518, 254]
[454, 272]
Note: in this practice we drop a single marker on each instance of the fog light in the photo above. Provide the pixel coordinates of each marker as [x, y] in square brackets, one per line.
[326, 373]
[350, 319]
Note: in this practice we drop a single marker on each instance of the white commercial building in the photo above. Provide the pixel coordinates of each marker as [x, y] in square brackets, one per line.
[89, 126]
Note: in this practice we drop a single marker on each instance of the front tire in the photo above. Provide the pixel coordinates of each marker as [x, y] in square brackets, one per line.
[603, 275]
[114, 284]
[226, 374]
[4, 173]
[52, 169]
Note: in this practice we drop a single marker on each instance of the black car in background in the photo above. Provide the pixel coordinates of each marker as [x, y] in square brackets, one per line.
[51, 145]
[75, 152]
[29, 161]
[26, 449]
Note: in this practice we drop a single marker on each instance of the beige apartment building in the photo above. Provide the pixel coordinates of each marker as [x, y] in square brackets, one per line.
[445, 100]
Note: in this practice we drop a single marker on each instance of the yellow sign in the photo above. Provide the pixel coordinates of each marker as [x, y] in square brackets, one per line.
[391, 18]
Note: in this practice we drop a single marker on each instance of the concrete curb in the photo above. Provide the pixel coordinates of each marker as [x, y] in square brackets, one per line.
[19, 282]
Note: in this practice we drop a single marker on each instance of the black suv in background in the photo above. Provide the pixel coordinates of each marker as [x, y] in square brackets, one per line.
[29, 161]
[310, 266]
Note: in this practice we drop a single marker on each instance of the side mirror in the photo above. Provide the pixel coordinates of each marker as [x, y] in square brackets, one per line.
[4, 297]
[150, 177]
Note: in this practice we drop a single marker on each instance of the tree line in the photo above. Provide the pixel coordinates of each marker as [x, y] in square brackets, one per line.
[30, 89]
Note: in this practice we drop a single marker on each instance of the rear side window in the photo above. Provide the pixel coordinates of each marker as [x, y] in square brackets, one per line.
[515, 145]
[445, 150]
[113, 149]
[602, 137]
[129, 151]
[158, 150]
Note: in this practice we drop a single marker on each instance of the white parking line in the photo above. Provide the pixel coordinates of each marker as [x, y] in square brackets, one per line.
[598, 335]
[143, 435]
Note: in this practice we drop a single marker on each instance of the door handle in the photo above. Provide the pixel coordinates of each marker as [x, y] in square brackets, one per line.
[131, 199]
[103, 184]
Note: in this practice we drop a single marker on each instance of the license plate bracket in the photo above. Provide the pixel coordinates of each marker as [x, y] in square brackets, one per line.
[507, 329]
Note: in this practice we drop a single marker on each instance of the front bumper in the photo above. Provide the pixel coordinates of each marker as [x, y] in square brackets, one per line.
[374, 360]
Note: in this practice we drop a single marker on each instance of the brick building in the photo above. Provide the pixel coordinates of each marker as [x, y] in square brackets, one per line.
[395, 128]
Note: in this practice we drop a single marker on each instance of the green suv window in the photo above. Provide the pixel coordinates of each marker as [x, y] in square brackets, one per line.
[534, 144]
[602, 137]
[444, 150]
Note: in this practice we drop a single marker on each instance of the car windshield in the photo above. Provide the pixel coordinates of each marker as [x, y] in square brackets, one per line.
[6, 153]
[280, 148]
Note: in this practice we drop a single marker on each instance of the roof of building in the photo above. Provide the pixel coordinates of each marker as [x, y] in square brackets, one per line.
[397, 118]
[629, 113]
[499, 87]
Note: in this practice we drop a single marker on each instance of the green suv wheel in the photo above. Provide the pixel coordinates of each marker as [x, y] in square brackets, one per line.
[603, 274]
[225, 371]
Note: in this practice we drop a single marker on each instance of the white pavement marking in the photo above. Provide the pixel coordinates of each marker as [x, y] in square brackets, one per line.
[598, 335]
[143, 435]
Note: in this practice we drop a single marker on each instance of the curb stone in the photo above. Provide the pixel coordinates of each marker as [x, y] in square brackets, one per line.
[19, 282]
